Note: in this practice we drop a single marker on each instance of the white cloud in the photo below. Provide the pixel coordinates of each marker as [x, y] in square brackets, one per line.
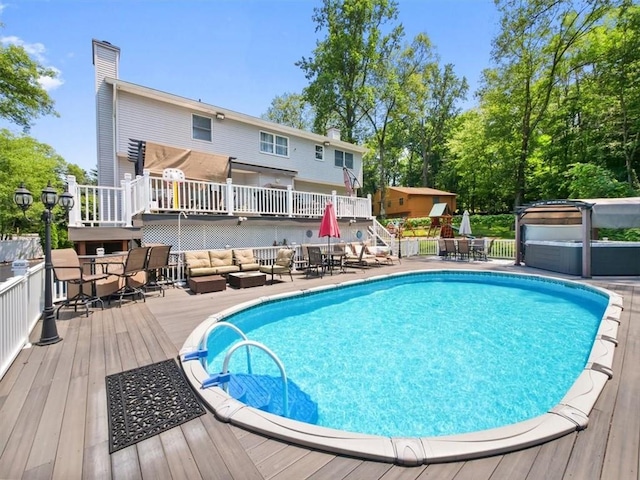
[37, 51]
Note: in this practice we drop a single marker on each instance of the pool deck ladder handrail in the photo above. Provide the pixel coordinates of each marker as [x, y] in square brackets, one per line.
[283, 374]
[235, 329]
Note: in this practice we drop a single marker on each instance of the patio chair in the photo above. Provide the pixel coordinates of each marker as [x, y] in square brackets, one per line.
[283, 264]
[442, 248]
[463, 249]
[316, 261]
[478, 249]
[67, 268]
[135, 263]
[157, 261]
[450, 247]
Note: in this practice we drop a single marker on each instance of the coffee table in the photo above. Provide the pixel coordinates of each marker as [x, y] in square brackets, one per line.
[207, 284]
[246, 279]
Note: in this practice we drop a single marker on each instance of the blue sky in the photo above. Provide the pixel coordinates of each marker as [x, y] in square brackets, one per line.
[236, 54]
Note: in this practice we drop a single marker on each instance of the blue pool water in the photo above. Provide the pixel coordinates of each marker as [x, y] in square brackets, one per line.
[425, 354]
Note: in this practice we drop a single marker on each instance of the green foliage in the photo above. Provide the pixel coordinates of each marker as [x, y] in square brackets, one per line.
[24, 159]
[587, 180]
[291, 109]
[22, 99]
[342, 64]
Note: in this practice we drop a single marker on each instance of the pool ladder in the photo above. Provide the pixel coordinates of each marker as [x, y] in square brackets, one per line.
[224, 377]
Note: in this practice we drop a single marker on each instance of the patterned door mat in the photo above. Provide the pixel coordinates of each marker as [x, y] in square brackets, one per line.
[146, 401]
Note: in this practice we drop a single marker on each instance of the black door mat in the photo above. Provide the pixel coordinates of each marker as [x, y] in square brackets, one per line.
[146, 401]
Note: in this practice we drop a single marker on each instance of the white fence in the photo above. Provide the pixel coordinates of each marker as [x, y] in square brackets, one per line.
[115, 206]
[21, 304]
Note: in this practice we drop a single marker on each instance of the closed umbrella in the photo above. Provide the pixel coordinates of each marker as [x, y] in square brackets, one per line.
[329, 224]
[465, 226]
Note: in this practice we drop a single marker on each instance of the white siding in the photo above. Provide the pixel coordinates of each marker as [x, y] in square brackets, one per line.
[142, 118]
[105, 59]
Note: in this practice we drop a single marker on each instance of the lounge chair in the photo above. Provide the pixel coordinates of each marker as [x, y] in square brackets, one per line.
[359, 258]
[283, 264]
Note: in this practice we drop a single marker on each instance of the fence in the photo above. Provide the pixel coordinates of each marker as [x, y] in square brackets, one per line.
[21, 304]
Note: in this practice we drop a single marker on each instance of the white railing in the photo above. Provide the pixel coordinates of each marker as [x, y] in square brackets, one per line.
[21, 305]
[116, 206]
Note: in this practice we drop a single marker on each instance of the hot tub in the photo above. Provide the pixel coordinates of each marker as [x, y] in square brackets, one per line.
[607, 258]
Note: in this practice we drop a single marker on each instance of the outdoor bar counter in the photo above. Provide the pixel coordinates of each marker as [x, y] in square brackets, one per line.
[607, 258]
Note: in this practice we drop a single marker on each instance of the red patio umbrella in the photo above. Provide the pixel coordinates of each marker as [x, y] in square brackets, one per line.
[329, 224]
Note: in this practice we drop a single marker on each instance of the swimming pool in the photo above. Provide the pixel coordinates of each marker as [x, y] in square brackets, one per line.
[414, 432]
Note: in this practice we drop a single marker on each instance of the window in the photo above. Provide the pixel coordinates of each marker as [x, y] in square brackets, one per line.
[274, 144]
[319, 152]
[343, 159]
[401, 201]
[201, 128]
[436, 200]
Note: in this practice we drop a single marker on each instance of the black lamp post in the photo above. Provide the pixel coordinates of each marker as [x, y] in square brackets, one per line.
[49, 197]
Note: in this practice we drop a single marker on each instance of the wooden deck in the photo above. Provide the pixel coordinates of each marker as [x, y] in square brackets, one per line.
[53, 413]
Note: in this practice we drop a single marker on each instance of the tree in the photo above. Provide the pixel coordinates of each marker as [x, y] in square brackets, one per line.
[342, 64]
[22, 98]
[392, 78]
[535, 39]
[436, 108]
[592, 181]
[292, 110]
[24, 159]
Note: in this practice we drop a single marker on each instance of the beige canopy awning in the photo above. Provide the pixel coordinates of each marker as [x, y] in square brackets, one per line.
[195, 165]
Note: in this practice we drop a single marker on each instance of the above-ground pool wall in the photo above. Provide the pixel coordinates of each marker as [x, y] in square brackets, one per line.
[607, 258]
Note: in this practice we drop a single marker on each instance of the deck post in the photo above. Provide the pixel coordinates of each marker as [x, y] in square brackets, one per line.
[518, 240]
[586, 242]
[74, 213]
[290, 200]
[230, 199]
[126, 200]
[146, 174]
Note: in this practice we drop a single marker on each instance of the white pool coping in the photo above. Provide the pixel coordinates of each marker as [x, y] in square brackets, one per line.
[569, 415]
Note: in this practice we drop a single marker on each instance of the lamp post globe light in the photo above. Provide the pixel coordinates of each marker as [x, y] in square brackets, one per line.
[49, 197]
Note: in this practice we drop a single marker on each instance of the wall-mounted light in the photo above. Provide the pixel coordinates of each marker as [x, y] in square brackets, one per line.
[327, 143]
[241, 219]
[352, 221]
[220, 115]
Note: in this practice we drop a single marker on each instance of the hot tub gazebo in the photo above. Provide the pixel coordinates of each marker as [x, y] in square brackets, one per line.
[571, 253]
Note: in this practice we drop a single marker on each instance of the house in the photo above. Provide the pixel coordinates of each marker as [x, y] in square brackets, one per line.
[260, 153]
[412, 202]
[234, 179]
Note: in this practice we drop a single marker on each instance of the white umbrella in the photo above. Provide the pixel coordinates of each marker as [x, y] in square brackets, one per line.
[465, 226]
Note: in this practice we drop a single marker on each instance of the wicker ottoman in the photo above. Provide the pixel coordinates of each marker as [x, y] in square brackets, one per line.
[247, 279]
[206, 284]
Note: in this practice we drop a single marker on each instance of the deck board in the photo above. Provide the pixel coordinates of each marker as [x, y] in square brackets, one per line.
[53, 408]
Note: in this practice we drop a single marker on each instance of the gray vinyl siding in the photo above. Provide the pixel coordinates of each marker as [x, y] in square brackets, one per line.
[151, 120]
[106, 65]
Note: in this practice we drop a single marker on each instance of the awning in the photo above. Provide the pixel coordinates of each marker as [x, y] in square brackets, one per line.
[203, 166]
[250, 167]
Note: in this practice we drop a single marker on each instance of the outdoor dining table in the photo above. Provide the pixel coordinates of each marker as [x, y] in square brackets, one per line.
[333, 260]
